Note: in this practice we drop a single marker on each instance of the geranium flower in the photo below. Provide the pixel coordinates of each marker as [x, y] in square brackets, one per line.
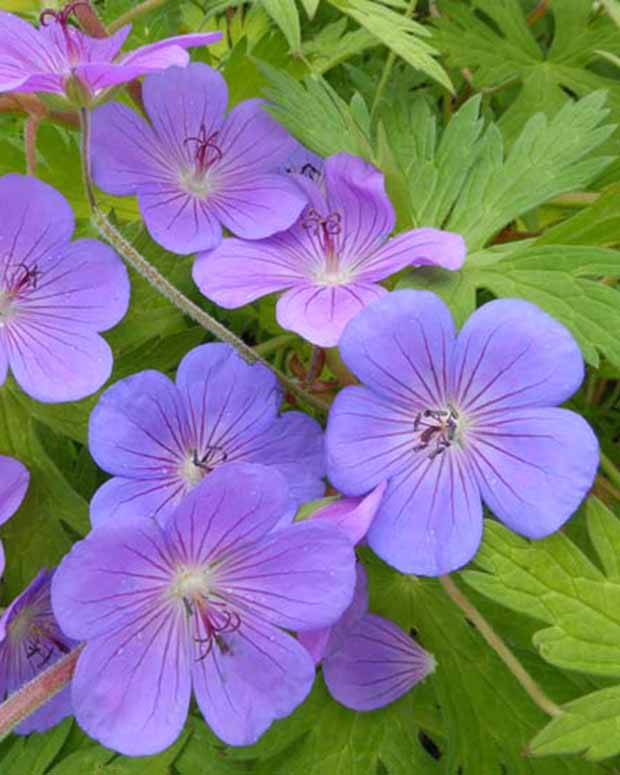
[450, 421]
[193, 167]
[57, 56]
[367, 661]
[330, 262]
[14, 478]
[201, 601]
[55, 295]
[30, 642]
[160, 439]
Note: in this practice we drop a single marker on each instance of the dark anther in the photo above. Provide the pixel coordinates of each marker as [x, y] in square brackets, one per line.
[207, 150]
[310, 171]
[24, 278]
[436, 426]
[62, 16]
[210, 459]
[325, 228]
[413, 632]
[214, 630]
[188, 607]
[36, 649]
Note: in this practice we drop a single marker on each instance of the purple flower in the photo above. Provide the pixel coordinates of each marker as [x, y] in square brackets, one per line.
[331, 261]
[55, 56]
[55, 295]
[353, 515]
[160, 439]
[14, 478]
[450, 421]
[31, 641]
[193, 167]
[202, 600]
[368, 661]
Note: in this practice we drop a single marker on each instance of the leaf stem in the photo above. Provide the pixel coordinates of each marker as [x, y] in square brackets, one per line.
[534, 691]
[389, 64]
[610, 469]
[138, 10]
[24, 702]
[30, 141]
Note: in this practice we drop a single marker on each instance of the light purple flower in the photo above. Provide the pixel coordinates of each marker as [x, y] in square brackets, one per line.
[330, 262]
[201, 601]
[450, 421]
[368, 661]
[14, 478]
[55, 295]
[53, 57]
[160, 439]
[193, 167]
[31, 641]
[353, 515]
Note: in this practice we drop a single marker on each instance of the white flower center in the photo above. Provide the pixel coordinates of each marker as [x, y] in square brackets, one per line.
[191, 583]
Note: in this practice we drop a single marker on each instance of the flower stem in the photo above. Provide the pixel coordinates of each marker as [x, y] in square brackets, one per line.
[389, 64]
[30, 139]
[274, 344]
[196, 313]
[610, 469]
[85, 156]
[30, 697]
[534, 691]
[138, 10]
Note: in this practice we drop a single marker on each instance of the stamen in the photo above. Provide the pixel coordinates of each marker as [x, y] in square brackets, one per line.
[229, 622]
[437, 429]
[213, 457]
[21, 279]
[310, 171]
[207, 152]
[61, 17]
[325, 228]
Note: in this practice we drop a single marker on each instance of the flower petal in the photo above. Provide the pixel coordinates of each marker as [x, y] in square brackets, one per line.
[229, 403]
[14, 479]
[111, 577]
[25, 52]
[534, 467]
[151, 55]
[401, 347]
[418, 247]
[131, 688]
[376, 664]
[353, 515]
[179, 102]
[55, 365]
[240, 271]
[139, 428]
[227, 512]
[320, 313]
[369, 439]
[126, 154]
[121, 498]
[294, 445]
[36, 220]
[356, 190]
[300, 577]
[511, 355]
[430, 519]
[264, 676]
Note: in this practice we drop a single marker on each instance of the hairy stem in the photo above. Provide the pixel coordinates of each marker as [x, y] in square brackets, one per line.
[30, 697]
[138, 10]
[534, 691]
[30, 140]
[85, 156]
[196, 313]
[389, 64]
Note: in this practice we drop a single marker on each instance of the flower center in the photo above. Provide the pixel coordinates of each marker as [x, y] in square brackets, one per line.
[206, 150]
[325, 229]
[436, 429]
[199, 464]
[39, 637]
[18, 281]
[209, 613]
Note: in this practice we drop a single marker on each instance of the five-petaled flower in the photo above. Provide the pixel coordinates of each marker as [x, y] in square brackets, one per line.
[55, 295]
[202, 599]
[193, 167]
[14, 478]
[330, 262]
[30, 642]
[450, 421]
[59, 58]
[160, 439]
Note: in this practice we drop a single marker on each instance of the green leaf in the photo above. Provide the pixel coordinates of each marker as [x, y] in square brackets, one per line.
[589, 726]
[35, 753]
[398, 33]
[604, 532]
[285, 15]
[553, 581]
[310, 6]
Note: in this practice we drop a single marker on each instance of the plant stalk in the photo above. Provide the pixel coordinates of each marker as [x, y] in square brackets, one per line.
[534, 691]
